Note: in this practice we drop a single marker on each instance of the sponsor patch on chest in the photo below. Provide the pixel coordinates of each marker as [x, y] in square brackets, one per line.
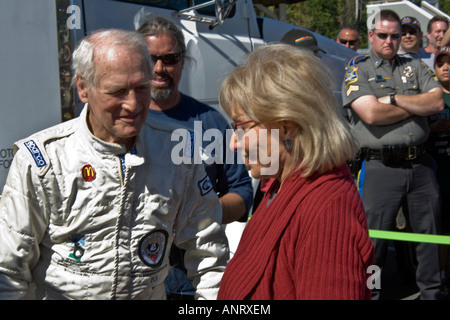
[152, 248]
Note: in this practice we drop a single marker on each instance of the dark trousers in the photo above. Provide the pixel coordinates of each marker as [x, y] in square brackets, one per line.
[383, 190]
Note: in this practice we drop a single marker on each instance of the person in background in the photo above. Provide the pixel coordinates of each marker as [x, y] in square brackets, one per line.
[440, 150]
[302, 39]
[308, 238]
[437, 26]
[411, 41]
[90, 205]
[390, 97]
[172, 109]
[348, 36]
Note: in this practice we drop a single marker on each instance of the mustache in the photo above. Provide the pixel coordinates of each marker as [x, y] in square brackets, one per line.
[164, 75]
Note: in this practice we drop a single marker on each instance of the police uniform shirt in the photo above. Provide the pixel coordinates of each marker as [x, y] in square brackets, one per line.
[371, 75]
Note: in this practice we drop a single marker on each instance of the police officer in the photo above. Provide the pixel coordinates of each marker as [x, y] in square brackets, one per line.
[390, 97]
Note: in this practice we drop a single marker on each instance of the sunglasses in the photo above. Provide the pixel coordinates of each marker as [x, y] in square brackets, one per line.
[411, 32]
[350, 42]
[168, 59]
[384, 36]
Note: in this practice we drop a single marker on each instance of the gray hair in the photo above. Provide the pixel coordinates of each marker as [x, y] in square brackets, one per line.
[157, 26]
[83, 59]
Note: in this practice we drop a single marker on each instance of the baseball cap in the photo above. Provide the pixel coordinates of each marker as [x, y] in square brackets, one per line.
[441, 51]
[301, 38]
[412, 22]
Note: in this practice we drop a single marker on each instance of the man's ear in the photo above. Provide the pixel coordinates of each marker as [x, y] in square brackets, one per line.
[371, 35]
[82, 89]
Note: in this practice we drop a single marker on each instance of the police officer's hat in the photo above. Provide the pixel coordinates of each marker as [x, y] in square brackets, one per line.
[302, 38]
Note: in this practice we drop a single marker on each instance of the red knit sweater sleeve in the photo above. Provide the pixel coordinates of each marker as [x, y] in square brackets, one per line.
[333, 255]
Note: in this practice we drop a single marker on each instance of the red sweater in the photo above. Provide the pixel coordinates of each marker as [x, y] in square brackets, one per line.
[310, 242]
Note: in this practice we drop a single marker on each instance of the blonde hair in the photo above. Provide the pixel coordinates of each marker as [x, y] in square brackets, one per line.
[279, 82]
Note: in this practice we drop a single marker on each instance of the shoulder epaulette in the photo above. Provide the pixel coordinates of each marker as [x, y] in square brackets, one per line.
[357, 59]
[351, 70]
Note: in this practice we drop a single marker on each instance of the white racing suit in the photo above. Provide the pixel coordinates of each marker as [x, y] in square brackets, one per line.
[77, 222]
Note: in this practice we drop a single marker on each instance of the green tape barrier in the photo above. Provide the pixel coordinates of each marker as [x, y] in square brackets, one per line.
[413, 237]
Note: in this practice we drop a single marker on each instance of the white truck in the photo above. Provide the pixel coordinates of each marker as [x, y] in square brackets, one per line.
[38, 38]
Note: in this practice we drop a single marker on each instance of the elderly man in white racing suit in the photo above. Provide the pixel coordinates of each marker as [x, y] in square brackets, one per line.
[90, 206]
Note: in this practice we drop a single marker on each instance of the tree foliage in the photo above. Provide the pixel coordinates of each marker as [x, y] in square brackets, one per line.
[327, 16]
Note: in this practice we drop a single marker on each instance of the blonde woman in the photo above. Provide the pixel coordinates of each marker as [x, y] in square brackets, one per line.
[309, 238]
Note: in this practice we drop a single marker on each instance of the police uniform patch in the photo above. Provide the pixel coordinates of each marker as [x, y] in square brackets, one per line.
[352, 69]
[351, 89]
[205, 185]
[352, 76]
[152, 248]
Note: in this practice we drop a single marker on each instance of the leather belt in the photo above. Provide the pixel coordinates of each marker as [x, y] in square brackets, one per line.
[394, 153]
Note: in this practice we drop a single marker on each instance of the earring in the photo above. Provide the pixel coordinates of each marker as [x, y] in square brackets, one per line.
[288, 144]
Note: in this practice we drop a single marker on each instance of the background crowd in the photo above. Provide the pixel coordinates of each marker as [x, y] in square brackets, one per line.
[95, 209]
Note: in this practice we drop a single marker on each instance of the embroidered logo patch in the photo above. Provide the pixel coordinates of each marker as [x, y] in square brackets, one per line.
[205, 185]
[78, 243]
[152, 248]
[352, 76]
[351, 89]
[88, 173]
[36, 153]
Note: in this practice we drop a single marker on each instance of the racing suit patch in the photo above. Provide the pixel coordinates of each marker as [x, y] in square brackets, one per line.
[36, 153]
[88, 173]
[152, 248]
[205, 185]
[78, 243]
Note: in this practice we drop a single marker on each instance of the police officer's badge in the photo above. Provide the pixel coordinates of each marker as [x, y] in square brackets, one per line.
[152, 248]
[408, 72]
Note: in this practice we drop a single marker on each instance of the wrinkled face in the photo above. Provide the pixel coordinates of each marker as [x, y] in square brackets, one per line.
[386, 39]
[118, 103]
[441, 68]
[166, 76]
[410, 38]
[438, 29]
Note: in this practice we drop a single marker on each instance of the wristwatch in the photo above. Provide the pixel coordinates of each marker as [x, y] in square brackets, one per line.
[392, 98]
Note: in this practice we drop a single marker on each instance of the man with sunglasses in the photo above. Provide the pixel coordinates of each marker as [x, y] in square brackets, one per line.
[390, 97]
[348, 36]
[411, 41]
[172, 109]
